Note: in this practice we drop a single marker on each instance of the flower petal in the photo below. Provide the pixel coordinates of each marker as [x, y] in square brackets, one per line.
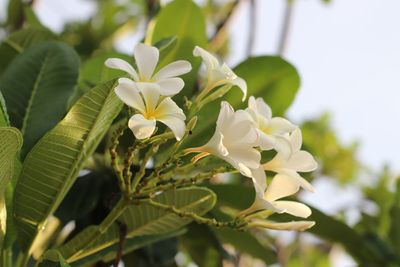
[176, 124]
[146, 59]
[173, 69]
[216, 145]
[281, 186]
[170, 86]
[248, 156]
[280, 125]
[119, 64]
[296, 140]
[302, 161]
[294, 208]
[261, 107]
[151, 95]
[260, 181]
[294, 225]
[239, 82]
[209, 60]
[169, 107]
[225, 116]
[128, 93]
[297, 179]
[141, 127]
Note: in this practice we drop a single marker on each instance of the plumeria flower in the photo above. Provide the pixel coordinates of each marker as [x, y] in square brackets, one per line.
[268, 197]
[233, 141]
[298, 161]
[146, 58]
[271, 131]
[146, 98]
[218, 74]
[293, 225]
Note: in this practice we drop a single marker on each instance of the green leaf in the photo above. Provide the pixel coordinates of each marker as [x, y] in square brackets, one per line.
[203, 246]
[394, 230]
[53, 258]
[36, 87]
[20, 40]
[10, 144]
[131, 244]
[53, 164]
[190, 30]
[143, 220]
[245, 242]
[269, 77]
[4, 119]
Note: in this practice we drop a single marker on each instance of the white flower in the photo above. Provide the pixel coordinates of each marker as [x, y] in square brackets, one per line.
[272, 131]
[298, 161]
[146, 58]
[233, 141]
[267, 197]
[147, 100]
[218, 74]
[294, 225]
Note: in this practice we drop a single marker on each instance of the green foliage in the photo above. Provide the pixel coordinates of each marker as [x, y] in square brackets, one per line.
[189, 29]
[10, 144]
[20, 40]
[38, 100]
[272, 78]
[203, 246]
[142, 220]
[247, 242]
[61, 154]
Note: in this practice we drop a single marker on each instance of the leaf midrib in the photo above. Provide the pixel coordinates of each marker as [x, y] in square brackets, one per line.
[38, 80]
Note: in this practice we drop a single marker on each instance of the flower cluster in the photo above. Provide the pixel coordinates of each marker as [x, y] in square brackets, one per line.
[240, 136]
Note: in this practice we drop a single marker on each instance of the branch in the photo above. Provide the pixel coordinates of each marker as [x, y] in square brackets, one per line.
[286, 23]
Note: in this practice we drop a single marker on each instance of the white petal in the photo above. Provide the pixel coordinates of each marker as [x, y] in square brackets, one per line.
[119, 64]
[302, 161]
[248, 156]
[129, 94]
[176, 124]
[279, 125]
[298, 179]
[171, 86]
[281, 186]
[151, 95]
[169, 107]
[146, 59]
[296, 140]
[294, 208]
[141, 127]
[173, 69]
[282, 146]
[209, 60]
[260, 181]
[225, 117]
[294, 225]
[263, 109]
[216, 145]
[239, 82]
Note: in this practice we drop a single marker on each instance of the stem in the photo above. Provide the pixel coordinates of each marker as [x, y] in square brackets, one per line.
[252, 27]
[194, 216]
[286, 23]
[220, 33]
[23, 259]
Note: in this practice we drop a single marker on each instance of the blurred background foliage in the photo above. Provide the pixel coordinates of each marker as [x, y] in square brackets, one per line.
[371, 238]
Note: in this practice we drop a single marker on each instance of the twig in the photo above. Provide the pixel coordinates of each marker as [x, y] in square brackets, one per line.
[122, 237]
[286, 23]
[217, 39]
[252, 27]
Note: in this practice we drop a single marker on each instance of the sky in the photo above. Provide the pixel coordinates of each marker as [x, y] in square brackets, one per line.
[348, 57]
